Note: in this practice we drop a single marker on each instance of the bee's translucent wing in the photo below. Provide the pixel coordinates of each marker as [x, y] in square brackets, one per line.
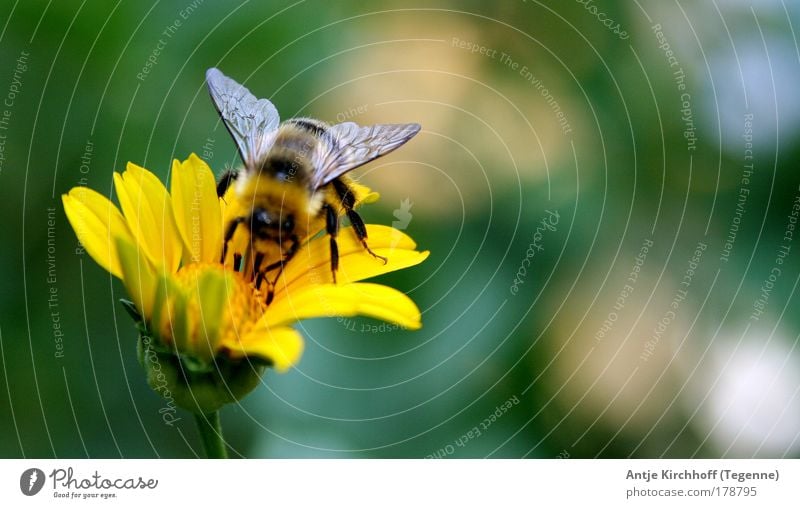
[252, 122]
[347, 146]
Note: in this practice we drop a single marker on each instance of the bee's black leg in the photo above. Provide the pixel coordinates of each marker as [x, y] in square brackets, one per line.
[332, 228]
[228, 236]
[349, 202]
[361, 233]
[277, 265]
[258, 258]
[225, 181]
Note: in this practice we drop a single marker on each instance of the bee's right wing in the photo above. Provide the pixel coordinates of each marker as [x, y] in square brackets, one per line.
[252, 122]
[349, 145]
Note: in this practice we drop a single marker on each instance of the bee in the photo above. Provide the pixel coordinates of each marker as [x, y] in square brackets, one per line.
[294, 181]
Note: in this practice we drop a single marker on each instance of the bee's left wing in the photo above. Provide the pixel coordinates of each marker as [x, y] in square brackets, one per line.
[252, 122]
[347, 146]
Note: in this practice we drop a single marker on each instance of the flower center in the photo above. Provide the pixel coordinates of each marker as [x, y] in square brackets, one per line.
[206, 306]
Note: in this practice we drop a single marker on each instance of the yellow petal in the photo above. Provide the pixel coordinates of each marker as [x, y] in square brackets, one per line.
[163, 312]
[210, 299]
[177, 322]
[138, 275]
[197, 210]
[328, 300]
[97, 223]
[313, 260]
[148, 211]
[281, 346]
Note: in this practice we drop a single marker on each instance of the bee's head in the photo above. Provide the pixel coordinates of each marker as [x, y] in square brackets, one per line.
[266, 224]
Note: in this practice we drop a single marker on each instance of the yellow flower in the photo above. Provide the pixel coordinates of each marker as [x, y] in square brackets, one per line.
[166, 249]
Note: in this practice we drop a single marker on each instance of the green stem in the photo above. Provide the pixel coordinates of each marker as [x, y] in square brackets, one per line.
[211, 433]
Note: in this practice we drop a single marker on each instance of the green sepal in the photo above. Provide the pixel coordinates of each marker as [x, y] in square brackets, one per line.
[193, 387]
[133, 312]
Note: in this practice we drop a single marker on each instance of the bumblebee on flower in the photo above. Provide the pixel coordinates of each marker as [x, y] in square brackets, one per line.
[215, 285]
[204, 310]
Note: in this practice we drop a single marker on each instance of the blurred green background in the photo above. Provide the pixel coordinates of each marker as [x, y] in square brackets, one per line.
[642, 132]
